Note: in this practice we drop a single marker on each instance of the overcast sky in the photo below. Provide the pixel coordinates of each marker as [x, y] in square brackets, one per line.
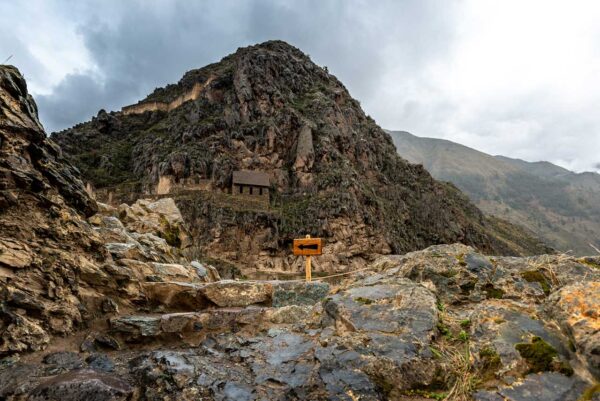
[518, 78]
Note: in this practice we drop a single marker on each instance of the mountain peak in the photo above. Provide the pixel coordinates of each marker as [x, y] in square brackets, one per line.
[268, 108]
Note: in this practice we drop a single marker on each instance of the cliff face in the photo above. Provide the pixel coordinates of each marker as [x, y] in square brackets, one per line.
[334, 172]
[58, 272]
[44, 241]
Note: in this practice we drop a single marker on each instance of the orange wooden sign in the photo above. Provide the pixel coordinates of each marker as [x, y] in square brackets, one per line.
[308, 246]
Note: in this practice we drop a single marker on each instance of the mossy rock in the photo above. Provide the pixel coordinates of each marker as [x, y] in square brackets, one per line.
[170, 233]
[364, 301]
[536, 276]
[493, 292]
[490, 363]
[542, 357]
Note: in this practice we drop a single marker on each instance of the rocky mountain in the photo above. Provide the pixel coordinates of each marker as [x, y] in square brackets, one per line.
[334, 173]
[563, 207]
[101, 303]
[60, 272]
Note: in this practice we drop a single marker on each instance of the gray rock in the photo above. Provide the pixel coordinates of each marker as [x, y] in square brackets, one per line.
[126, 251]
[200, 269]
[100, 362]
[145, 326]
[545, 386]
[298, 293]
[237, 293]
[80, 385]
[17, 380]
[64, 360]
[237, 391]
[97, 341]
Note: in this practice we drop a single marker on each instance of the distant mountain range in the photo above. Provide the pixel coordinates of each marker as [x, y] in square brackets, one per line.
[563, 207]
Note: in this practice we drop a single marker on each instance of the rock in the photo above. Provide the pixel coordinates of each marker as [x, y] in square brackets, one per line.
[207, 273]
[161, 217]
[577, 308]
[109, 306]
[187, 325]
[172, 271]
[15, 254]
[237, 391]
[126, 251]
[84, 384]
[291, 314]
[158, 325]
[140, 269]
[298, 293]
[304, 150]
[175, 295]
[522, 342]
[98, 341]
[100, 362]
[64, 360]
[16, 381]
[237, 293]
[386, 308]
[22, 334]
[157, 248]
[396, 320]
[282, 360]
[110, 222]
[546, 386]
[144, 326]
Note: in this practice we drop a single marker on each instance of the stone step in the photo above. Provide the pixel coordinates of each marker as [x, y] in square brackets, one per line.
[194, 297]
[193, 327]
[188, 326]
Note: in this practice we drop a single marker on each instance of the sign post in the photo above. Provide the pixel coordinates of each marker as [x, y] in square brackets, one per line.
[307, 247]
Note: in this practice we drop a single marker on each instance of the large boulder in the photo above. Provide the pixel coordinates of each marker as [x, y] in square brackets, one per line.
[161, 217]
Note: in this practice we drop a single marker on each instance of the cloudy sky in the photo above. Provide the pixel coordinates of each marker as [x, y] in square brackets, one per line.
[514, 77]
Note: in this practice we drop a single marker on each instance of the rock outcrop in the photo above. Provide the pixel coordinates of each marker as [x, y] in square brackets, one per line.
[60, 272]
[334, 172]
[443, 323]
[46, 246]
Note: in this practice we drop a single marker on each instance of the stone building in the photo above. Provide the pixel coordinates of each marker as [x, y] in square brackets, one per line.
[253, 183]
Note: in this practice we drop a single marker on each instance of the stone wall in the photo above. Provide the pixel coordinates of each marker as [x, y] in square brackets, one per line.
[168, 184]
[143, 107]
[193, 94]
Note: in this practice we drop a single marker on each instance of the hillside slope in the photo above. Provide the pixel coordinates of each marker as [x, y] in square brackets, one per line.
[562, 206]
[334, 172]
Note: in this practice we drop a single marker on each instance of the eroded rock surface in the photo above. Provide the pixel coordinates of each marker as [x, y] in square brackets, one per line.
[413, 327]
[59, 272]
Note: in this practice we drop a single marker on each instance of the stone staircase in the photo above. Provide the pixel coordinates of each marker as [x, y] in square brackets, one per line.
[188, 312]
[167, 298]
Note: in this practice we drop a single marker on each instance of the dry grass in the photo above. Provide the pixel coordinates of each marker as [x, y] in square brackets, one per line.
[547, 264]
[595, 249]
[463, 374]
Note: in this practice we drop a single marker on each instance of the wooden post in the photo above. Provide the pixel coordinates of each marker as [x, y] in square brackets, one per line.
[308, 266]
